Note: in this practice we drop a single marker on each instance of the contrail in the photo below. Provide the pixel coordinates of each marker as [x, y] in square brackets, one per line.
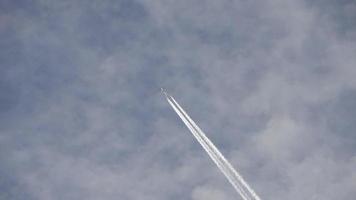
[225, 167]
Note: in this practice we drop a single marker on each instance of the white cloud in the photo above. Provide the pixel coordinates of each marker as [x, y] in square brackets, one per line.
[263, 79]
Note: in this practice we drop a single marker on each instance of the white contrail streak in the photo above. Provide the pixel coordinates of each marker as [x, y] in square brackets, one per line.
[231, 174]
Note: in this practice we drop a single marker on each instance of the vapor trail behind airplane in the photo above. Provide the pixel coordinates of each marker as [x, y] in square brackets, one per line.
[226, 168]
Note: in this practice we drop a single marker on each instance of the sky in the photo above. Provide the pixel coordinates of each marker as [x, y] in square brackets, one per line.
[272, 83]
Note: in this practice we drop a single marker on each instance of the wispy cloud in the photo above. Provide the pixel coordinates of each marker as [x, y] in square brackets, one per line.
[81, 116]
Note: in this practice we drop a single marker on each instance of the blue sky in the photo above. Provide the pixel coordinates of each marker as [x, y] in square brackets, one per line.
[272, 83]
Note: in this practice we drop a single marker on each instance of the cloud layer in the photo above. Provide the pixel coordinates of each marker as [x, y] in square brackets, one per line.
[272, 83]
